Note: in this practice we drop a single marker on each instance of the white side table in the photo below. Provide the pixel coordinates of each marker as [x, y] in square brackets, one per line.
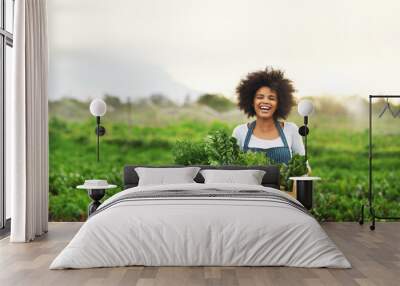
[96, 193]
[304, 189]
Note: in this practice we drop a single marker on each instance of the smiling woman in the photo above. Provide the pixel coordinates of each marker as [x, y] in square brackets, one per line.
[268, 95]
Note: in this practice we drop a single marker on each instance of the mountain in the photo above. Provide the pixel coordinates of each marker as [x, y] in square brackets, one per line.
[87, 74]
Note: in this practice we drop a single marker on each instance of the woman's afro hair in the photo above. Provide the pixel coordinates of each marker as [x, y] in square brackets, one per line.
[275, 80]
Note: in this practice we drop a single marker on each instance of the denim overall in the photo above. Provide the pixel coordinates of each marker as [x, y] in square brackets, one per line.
[277, 154]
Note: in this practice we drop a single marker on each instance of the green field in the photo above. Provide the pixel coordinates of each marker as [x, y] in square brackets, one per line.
[338, 152]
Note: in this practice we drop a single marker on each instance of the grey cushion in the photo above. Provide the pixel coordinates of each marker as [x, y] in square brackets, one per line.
[164, 176]
[270, 179]
[248, 177]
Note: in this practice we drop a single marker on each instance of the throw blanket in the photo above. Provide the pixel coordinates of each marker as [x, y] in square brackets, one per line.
[201, 224]
[206, 194]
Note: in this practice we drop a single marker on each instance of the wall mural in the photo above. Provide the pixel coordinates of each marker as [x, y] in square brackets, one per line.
[169, 77]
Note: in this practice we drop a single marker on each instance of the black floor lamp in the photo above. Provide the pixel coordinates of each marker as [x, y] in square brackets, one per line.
[98, 108]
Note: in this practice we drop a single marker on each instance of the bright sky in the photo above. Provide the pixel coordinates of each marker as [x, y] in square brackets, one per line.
[325, 47]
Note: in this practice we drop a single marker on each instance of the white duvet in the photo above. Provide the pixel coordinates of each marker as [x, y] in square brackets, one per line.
[200, 231]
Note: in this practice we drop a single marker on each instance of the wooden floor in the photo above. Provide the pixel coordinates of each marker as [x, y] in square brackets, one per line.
[375, 257]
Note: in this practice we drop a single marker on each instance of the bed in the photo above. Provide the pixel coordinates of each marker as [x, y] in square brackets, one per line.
[201, 224]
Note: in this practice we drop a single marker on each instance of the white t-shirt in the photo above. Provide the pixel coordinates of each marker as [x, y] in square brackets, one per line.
[290, 130]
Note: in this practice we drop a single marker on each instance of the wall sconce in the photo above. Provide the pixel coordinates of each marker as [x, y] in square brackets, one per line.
[98, 108]
[305, 108]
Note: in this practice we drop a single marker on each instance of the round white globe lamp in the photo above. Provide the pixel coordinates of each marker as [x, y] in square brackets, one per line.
[305, 107]
[98, 107]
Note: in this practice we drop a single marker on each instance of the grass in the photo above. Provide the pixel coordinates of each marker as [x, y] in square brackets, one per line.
[144, 133]
[339, 155]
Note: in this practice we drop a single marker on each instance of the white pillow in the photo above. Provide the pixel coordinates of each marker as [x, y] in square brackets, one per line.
[164, 176]
[249, 177]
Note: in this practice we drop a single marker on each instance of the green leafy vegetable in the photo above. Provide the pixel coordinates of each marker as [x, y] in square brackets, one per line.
[221, 148]
[190, 153]
[218, 148]
[297, 166]
[251, 158]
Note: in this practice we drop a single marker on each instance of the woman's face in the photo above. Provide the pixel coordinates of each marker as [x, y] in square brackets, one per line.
[265, 102]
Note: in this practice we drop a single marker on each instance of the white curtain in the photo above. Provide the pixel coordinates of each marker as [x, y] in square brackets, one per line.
[27, 132]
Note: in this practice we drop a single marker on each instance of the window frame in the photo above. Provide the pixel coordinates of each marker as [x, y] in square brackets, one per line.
[6, 39]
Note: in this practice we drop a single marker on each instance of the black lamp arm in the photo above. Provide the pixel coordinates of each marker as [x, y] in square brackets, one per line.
[100, 131]
[303, 131]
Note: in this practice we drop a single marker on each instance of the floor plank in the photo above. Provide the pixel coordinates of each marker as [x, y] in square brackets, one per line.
[375, 257]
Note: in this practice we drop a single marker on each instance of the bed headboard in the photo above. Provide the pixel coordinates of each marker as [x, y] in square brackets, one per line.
[271, 177]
